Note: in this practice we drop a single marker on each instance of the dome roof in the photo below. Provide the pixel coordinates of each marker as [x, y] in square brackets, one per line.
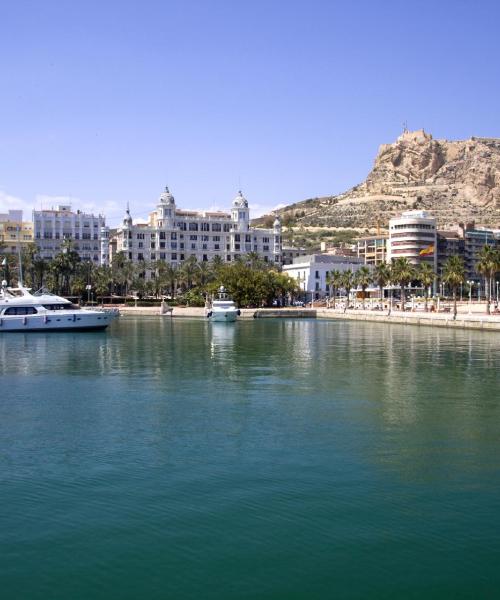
[240, 201]
[166, 197]
[127, 219]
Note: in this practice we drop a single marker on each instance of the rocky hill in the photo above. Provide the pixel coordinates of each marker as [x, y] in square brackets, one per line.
[455, 181]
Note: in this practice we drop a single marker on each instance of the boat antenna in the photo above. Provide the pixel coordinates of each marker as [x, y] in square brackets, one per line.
[20, 259]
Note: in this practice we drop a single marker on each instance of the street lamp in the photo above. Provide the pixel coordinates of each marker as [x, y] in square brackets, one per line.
[497, 294]
[470, 284]
[88, 287]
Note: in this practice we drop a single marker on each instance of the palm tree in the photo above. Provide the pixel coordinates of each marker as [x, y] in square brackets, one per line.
[454, 276]
[403, 273]
[363, 278]
[188, 272]
[426, 276]
[488, 266]
[204, 274]
[382, 276]
[171, 278]
[334, 281]
[254, 260]
[347, 283]
[29, 256]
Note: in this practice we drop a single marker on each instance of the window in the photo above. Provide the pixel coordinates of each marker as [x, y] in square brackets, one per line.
[317, 274]
[205, 227]
[216, 238]
[236, 246]
[217, 246]
[182, 256]
[228, 258]
[265, 240]
[174, 255]
[173, 245]
[204, 246]
[237, 237]
[162, 235]
[216, 227]
[193, 246]
[193, 226]
[266, 248]
[162, 244]
[162, 255]
[140, 244]
[173, 236]
[204, 238]
[21, 310]
[248, 238]
[227, 227]
[205, 258]
[193, 237]
[140, 236]
[153, 256]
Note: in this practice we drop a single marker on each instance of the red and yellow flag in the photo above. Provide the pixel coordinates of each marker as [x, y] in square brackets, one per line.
[428, 250]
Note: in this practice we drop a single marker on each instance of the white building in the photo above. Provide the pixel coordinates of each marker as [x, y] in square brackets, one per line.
[173, 235]
[51, 227]
[311, 272]
[413, 236]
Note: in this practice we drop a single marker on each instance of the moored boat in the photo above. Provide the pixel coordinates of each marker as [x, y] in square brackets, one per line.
[20, 310]
[222, 308]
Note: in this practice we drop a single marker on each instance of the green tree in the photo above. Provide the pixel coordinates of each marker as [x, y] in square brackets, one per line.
[363, 278]
[426, 276]
[488, 267]
[382, 277]
[334, 281]
[403, 273]
[454, 276]
[347, 281]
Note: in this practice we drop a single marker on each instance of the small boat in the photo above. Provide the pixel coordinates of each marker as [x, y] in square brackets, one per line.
[20, 310]
[222, 308]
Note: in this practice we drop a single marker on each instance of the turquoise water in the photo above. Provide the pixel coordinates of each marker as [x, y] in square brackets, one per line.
[265, 459]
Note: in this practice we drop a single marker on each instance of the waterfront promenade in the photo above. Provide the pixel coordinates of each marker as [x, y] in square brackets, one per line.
[476, 320]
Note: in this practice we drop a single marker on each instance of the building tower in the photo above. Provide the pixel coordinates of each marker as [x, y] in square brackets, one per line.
[104, 239]
[277, 238]
[240, 213]
[165, 210]
[127, 233]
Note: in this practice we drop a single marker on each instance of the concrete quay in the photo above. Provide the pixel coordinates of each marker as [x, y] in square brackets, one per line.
[464, 320]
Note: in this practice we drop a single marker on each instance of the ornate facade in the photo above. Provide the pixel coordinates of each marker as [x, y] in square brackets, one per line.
[173, 235]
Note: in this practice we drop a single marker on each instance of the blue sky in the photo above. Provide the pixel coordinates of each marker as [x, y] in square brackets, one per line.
[106, 102]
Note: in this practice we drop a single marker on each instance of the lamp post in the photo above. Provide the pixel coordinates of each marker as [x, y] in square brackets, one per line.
[88, 287]
[470, 284]
[497, 294]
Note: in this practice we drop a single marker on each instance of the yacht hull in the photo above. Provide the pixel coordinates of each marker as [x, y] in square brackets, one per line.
[58, 322]
[223, 316]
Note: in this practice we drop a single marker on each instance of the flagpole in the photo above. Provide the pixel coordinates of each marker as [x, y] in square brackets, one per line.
[20, 259]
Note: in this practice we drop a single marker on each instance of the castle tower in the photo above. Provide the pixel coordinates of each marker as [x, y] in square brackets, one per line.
[240, 213]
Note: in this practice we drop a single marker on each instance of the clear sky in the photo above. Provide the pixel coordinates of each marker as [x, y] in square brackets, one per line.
[105, 102]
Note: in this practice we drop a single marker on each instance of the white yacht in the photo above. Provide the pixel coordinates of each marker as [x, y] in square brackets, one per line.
[20, 310]
[222, 308]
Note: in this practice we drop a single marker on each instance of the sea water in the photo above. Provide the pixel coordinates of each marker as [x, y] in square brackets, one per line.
[261, 459]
